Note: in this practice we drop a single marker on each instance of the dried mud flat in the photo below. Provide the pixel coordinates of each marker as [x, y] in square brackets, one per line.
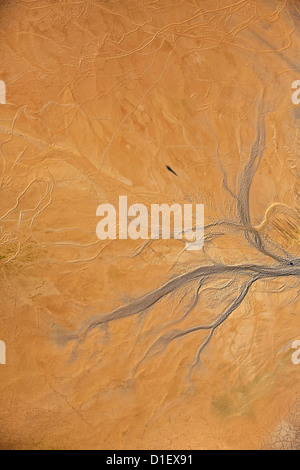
[143, 345]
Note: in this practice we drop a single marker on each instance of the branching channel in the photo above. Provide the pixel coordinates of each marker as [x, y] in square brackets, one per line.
[281, 264]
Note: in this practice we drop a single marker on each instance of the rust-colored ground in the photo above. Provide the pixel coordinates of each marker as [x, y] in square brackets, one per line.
[100, 97]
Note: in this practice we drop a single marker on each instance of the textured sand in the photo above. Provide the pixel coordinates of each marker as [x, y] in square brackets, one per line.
[101, 96]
